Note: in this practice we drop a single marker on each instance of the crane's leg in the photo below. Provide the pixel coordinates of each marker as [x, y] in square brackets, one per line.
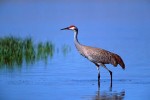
[98, 75]
[109, 72]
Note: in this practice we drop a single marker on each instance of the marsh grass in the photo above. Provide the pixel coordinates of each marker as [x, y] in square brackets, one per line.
[11, 51]
[14, 51]
[45, 50]
[65, 49]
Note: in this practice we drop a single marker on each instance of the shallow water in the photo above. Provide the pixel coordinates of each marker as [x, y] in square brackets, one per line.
[121, 26]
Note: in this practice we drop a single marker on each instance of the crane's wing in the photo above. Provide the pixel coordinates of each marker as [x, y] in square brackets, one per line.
[97, 55]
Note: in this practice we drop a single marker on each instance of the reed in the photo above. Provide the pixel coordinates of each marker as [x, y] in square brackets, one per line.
[14, 51]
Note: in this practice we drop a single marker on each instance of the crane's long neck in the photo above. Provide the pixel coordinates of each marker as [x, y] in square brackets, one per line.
[76, 38]
[77, 44]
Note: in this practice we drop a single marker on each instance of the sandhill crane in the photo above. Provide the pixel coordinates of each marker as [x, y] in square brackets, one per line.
[98, 56]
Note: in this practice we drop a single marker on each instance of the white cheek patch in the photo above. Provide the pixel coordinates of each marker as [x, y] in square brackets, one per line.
[72, 28]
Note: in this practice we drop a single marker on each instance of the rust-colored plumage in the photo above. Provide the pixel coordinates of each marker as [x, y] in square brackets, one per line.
[98, 56]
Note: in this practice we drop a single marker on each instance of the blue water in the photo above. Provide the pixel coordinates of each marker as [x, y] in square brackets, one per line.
[122, 27]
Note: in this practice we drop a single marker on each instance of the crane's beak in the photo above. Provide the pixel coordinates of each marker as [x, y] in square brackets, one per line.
[67, 28]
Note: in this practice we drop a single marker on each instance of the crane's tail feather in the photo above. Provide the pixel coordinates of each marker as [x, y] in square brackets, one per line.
[119, 61]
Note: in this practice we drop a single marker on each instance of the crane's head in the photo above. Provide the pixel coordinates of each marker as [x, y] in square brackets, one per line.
[72, 27]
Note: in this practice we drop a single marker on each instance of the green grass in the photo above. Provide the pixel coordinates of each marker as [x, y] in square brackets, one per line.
[14, 51]
[45, 50]
[11, 51]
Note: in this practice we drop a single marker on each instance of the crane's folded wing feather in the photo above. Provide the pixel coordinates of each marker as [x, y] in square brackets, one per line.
[97, 55]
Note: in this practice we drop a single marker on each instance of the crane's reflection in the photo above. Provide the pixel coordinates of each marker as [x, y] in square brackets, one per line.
[109, 95]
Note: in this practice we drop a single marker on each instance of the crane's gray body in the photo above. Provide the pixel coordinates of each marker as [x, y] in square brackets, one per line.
[96, 55]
